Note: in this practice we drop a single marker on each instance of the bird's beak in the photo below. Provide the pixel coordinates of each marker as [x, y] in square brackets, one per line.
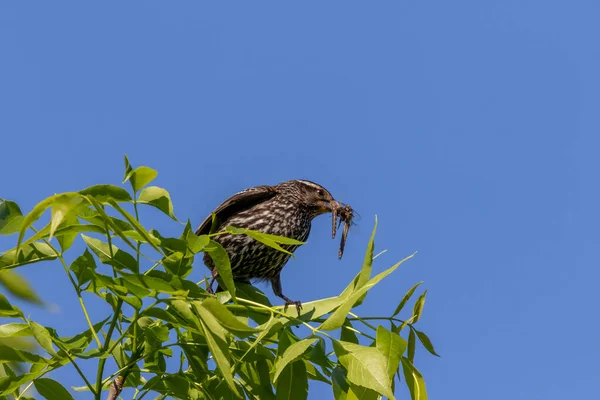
[328, 206]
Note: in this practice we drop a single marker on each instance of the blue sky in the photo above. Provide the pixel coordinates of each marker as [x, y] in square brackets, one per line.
[470, 128]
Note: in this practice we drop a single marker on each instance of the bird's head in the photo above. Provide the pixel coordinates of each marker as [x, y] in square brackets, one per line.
[311, 195]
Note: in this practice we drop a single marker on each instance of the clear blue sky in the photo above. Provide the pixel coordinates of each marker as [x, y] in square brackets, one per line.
[470, 128]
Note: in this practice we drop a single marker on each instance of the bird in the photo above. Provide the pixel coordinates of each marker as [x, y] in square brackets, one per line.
[285, 209]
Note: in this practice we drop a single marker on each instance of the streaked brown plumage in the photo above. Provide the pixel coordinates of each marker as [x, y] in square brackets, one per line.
[286, 209]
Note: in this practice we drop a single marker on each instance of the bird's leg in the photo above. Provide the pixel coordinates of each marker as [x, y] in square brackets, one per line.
[214, 273]
[276, 284]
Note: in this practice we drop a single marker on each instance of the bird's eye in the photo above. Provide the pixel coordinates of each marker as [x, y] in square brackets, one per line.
[320, 192]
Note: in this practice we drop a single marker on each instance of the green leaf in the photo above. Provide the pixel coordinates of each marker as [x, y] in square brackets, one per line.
[7, 309]
[10, 218]
[159, 198]
[221, 261]
[119, 258]
[39, 209]
[220, 352]
[365, 273]
[225, 317]
[293, 383]
[392, 346]
[414, 380]
[62, 207]
[14, 329]
[418, 307]
[106, 222]
[424, 339]
[195, 243]
[51, 390]
[42, 336]
[405, 299]
[272, 238]
[266, 239]
[366, 367]
[18, 286]
[140, 177]
[291, 354]
[411, 346]
[336, 320]
[362, 393]
[105, 193]
[84, 267]
[11, 354]
[28, 254]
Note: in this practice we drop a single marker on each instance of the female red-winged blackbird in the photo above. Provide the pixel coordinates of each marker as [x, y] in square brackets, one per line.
[286, 209]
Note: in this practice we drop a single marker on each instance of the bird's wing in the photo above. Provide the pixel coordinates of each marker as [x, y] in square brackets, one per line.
[238, 202]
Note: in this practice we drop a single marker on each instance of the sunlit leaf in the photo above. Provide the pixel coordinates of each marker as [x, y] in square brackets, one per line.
[14, 329]
[105, 193]
[366, 366]
[51, 390]
[406, 297]
[7, 309]
[392, 346]
[291, 354]
[159, 198]
[140, 177]
[10, 217]
[221, 261]
[339, 384]
[220, 352]
[225, 317]
[365, 273]
[414, 380]
[62, 206]
[418, 307]
[28, 254]
[42, 336]
[39, 209]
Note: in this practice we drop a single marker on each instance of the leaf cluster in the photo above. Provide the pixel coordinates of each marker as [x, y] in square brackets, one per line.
[166, 334]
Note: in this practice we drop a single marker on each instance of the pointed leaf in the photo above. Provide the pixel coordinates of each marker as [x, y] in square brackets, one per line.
[366, 367]
[51, 390]
[10, 217]
[30, 253]
[414, 380]
[104, 193]
[293, 383]
[291, 354]
[14, 329]
[392, 346]
[84, 267]
[221, 261]
[42, 336]
[418, 308]
[411, 346]
[225, 317]
[140, 177]
[220, 352]
[424, 339]
[405, 299]
[7, 309]
[159, 198]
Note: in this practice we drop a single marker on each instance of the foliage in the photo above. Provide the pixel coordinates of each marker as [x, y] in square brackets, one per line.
[166, 334]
